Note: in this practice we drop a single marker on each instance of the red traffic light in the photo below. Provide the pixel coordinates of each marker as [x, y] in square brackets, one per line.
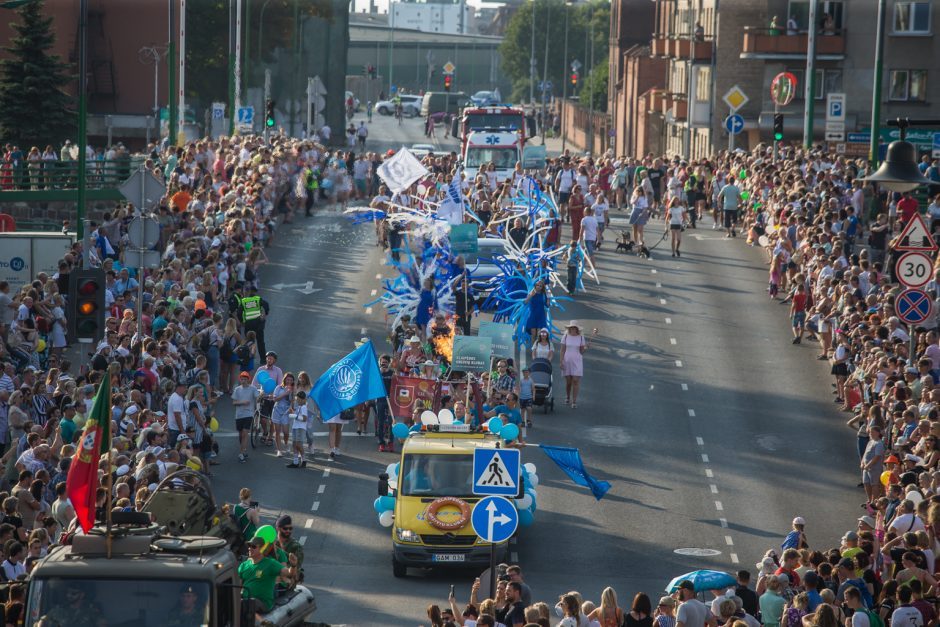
[87, 287]
[574, 78]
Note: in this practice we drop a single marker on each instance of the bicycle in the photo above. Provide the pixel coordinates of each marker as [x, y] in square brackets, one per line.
[256, 433]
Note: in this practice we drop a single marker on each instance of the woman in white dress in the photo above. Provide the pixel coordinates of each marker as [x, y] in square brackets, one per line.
[59, 325]
[543, 348]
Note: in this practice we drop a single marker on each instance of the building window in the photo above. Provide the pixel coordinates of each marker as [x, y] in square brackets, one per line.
[912, 17]
[799, 11]
[703, 84]
[827, 82]
[908, 85]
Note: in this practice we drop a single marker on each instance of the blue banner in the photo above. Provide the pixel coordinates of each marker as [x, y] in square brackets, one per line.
[352, 380]
[569, 460]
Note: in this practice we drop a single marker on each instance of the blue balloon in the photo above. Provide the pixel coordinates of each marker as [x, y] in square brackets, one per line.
[509, 432]
[263, 376]
[526, 517]
[495, 425]
[377, 505]
[268, 386]
[400, 430]
[415, 429]
[535, 500]
[386, 503]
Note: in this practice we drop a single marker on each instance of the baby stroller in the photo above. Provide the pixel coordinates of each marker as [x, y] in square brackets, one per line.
[541, 371]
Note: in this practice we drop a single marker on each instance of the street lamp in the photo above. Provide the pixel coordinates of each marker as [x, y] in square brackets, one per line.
[564, 96]
[899, 172]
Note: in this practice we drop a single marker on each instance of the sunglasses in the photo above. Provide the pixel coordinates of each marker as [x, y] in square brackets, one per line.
[287, 528]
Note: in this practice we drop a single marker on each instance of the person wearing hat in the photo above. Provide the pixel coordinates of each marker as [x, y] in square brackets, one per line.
[286, 542]
[411, 356]
[190, 608]
[427, 370]
[664, 614]
[259, 575]
[796, 539]
[692, 612]
[573, 346]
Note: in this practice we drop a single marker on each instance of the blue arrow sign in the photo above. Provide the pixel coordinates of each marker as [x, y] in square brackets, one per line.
[913, 306]
[496, 471]
[734, 124]
[494, 519]
[246, 115]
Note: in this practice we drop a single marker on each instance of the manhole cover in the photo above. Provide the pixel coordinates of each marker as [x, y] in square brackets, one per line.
[698, 552]
[608, 436]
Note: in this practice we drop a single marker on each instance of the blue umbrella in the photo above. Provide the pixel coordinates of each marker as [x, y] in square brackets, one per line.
[704, 580]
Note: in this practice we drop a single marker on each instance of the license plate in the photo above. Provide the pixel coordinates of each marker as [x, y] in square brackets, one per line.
[448, 557]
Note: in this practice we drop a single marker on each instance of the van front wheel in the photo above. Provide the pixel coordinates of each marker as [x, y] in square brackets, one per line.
[399, 569]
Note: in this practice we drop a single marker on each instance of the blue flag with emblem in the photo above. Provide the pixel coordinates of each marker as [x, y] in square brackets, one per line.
[352, 380]
[569, 460]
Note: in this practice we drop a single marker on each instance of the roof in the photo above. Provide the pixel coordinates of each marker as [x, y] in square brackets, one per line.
[380, 33]
[449, 443]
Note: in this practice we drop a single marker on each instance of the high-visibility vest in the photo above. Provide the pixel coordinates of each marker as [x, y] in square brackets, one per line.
[251, 308]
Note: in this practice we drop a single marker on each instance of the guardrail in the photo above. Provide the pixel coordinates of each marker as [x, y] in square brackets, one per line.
[40, 181]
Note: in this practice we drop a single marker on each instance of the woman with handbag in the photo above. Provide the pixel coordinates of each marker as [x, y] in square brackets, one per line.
[573, 345]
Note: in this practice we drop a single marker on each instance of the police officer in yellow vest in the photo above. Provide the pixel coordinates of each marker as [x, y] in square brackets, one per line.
[252, 311]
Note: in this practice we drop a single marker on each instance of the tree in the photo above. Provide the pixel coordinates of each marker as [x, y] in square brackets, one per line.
[596, 83]
[549, 18]
[34, 110]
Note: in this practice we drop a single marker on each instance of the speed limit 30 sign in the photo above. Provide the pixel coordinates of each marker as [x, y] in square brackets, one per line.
[914, 270]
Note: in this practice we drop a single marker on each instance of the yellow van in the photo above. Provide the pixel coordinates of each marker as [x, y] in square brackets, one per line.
[434, 499]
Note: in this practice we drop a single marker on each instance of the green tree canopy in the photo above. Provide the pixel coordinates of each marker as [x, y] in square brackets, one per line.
[549, 18]
[596, 84]
[34, 111]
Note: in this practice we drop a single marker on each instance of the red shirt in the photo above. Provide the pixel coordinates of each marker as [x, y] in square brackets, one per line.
[799, 302]
[794, 577]
[907, 207]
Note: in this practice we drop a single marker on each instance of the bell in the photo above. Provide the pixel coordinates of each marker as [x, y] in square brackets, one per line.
[899, 171]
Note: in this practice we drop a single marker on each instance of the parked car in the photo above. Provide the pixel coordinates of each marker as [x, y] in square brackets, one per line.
[485, 98]
[410, 106]
[420, 150]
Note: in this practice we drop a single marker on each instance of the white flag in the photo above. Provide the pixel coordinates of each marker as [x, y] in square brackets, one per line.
[401, 170]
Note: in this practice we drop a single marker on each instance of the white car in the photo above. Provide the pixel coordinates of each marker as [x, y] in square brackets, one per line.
[420, 150]
[410, 106]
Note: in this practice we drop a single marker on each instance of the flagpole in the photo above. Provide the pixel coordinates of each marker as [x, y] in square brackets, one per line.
[108, 503]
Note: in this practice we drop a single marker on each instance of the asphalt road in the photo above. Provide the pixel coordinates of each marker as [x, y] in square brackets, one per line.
[713, 429]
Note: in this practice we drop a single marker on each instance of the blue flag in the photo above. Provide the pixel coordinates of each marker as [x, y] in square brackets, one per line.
[569, 460]
[352, 380]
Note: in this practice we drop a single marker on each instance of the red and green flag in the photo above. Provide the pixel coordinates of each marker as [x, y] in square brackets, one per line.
[82, 481]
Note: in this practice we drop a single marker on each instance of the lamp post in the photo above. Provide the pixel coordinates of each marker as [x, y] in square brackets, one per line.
[876, 85]
[810, 100]
[590, 145]
[564, 76]
[532, 59]
[544, 91]
[899, 172]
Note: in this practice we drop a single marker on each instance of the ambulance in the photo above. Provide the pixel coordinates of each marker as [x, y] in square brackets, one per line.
[502, 149]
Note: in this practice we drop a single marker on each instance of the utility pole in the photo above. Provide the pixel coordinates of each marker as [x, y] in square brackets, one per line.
[544, 91]
[172, 111]
[876, 87]
[238, 57]
[180, 135]
[564, 76]
[82, 114]
[532, 59]
[810, 101]
[687, 134]
[591, 87]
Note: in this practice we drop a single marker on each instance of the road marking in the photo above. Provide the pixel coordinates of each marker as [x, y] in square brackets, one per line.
[709, 473]
[662, 301]
[713, 488]
[685, 387]
[668, 320]
[316, 506]
[309, 523]
[729, 541]
[374, 292]
[692, 415]
[678, 363]
[659, 284]
[302, 541]
[326, 472]
[723, 522]
[652, 270]
[378, 276]
[719, 506]
[321, 489]
[704, 458]
[368, 311]
[700, 441]
[362, 331]
[734, 558]
[672, 341]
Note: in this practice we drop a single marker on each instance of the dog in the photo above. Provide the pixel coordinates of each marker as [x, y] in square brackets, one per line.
[627, 245]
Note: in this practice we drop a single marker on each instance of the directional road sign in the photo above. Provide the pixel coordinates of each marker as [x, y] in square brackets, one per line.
[734, 123]
[913, 306]
[218, 110]
[246, 115]
[915, 236]
[494, 519]
[914, 270]
[936, 146]
[449, 68]
[496, 471]
[735, 98]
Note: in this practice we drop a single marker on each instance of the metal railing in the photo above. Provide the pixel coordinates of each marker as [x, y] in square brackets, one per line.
[39, 176]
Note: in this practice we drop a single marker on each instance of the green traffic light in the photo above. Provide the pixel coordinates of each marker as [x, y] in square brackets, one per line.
[778, 137]
[269, 122]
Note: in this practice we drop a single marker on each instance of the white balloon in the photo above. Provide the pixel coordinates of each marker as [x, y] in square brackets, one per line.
[422, 190]
[386, 518]
[428, 417]
[446, 417]
[914, 497]
[529, 468]
[533, 480]
[525, 502]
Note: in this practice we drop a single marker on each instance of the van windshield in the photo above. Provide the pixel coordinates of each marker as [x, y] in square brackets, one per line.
[503, 158]
[437, 475]
[93, 602]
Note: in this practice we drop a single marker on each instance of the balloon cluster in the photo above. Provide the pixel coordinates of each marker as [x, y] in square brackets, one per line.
[267, 383]
[384, 506]
[529, 501]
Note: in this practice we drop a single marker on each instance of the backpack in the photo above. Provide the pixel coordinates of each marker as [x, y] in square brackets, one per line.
[226, 351]
[863, 590]
[874, 619]
[204, 341]
[243, 352]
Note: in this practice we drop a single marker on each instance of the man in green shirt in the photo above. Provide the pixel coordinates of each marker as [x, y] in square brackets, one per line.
[67, 424]
[259, 575]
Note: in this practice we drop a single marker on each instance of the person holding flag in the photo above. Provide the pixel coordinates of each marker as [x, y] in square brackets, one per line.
[353, 380]
[81, 484]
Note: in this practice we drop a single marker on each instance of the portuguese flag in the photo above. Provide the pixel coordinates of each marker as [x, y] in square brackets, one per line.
[82, 481]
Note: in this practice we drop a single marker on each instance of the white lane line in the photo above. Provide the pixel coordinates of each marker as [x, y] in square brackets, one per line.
[723, 522]
[316, 506]
[368, 311]
[734, 558]
[374, 292]
[326, 472]
[691, 413]
[308, 524]
[719, 506]
[729, 541]
[321, 488]
[362, 331]
[678, 363]
[704, 458]
[672, 341]
[378, 276]
[700, 441]
[668, 320]
[659, 284]
[685, 387]
[652, 270]
[302, 541]
[713, 488]
[662, 301]
[709, 473]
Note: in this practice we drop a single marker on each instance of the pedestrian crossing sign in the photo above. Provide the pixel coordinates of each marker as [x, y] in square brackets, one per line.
[496, 471]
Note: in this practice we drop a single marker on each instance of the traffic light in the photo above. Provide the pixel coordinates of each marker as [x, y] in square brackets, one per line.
[778, 127]
[574, 79]
[448, 80]
[86, 305]
[269, 113]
